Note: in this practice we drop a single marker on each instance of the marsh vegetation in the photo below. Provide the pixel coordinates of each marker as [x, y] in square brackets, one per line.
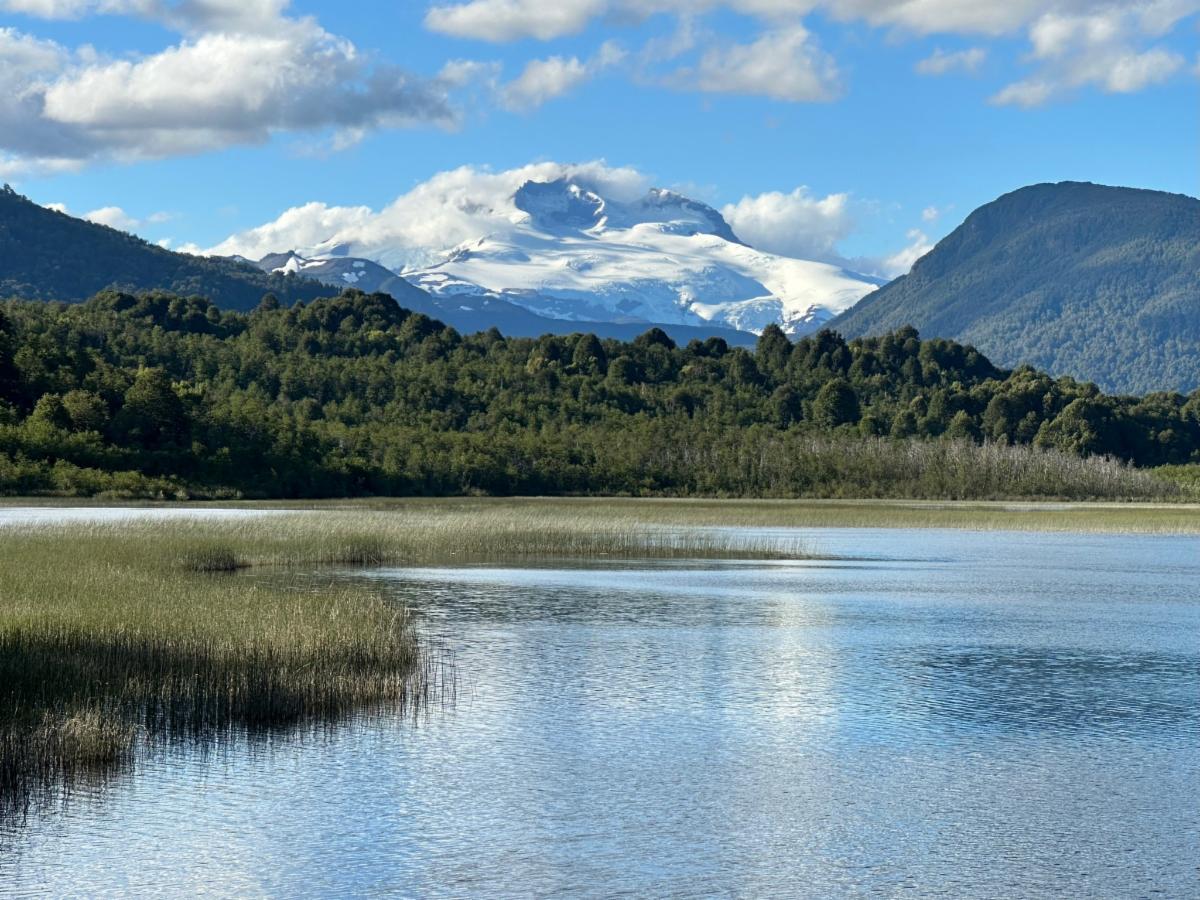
[117, 636]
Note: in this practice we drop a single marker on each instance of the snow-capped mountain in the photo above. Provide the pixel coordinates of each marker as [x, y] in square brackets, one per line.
[345, 272]
[573, 254]
[562, 251]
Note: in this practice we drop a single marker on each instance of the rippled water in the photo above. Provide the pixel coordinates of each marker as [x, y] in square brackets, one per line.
[952, 714]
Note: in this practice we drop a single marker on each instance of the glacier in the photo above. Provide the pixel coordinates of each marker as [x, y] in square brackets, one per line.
[562, 251]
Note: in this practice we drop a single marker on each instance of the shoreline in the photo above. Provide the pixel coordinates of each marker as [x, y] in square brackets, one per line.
[1105, 516]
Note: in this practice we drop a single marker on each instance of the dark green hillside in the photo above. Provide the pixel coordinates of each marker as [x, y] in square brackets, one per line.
[1101, 283]
[355, 395]
[46, 255]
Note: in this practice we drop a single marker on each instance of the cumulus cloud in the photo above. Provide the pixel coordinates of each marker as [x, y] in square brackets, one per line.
[508, 20]
[544, 79]
[792, 224]
[420, 226]
[1102, 48]
[113, 217]
[930, 214]
[785, 64]
[940, 62]
[1108, 39]
[237, 85]
[188, 15]
[222, 89]
[900, 262]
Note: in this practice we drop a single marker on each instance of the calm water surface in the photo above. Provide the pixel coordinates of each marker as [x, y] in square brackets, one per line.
[952, 714]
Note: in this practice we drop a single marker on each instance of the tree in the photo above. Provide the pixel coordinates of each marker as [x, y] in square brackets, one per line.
[8, 372]
[962, 427]
[773, 350]
[654, 337]
[622, 372]
[836, 404]
[86, 411]
[1084, 427]
[904, 425]
[152, 415]
[786, 406]
[49, 411]
[589, 356]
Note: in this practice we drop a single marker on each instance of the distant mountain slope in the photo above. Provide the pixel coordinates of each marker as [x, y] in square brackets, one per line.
[47, 255]
[470, 313]
[1102, 283]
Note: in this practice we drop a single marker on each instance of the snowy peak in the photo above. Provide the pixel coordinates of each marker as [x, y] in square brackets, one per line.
[571, 249]
[669, 208]
[562, 206]
[337, 271]
[555, 206]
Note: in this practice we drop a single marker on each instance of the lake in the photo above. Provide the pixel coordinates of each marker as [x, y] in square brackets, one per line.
[934, 713]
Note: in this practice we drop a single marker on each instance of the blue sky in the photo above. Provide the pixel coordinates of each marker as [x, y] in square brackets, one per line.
[191, 120]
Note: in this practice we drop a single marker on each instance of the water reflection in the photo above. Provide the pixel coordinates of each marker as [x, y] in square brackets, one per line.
[954, 714]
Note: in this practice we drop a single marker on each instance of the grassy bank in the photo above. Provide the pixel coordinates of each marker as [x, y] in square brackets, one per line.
[587, 520]
[114, 635]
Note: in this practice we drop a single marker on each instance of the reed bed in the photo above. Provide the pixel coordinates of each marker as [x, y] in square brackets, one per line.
[115, 635]
[680, 515]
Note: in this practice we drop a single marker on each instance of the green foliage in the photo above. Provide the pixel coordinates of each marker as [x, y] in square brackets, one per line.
[158, 395]
[1097, 282]
[836, 404]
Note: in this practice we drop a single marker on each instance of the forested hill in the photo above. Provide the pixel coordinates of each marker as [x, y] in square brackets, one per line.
[47, 255]
[1101, 283]
[353, 395]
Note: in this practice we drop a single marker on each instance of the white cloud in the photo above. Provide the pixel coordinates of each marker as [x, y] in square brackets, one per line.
[189, 15]
[258, 74]
[508, 20]
[1105, 39]
[421, 225]
[900, 262]
[113, 217]
[544, 79]
[785, 64]
[221, 89]
[459, 73]
[940, 62]
[1030, 92]
[930, 214]
[793, 224]
[1102, 48]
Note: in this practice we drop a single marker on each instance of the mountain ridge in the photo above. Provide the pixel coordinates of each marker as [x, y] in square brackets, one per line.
[1094, 281]
[49, 255]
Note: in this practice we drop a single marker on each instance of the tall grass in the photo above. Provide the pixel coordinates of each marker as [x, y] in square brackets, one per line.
[791, 465]
[115, 635]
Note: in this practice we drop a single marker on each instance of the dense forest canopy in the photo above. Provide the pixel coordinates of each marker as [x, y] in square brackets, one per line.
[1102, 283]
[353, 394]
